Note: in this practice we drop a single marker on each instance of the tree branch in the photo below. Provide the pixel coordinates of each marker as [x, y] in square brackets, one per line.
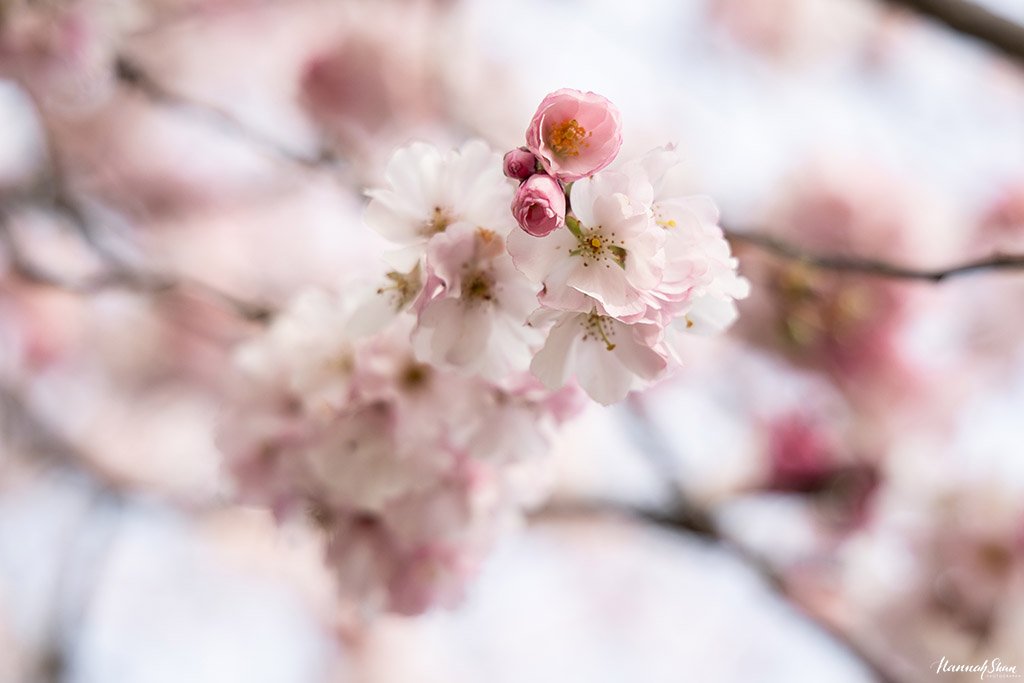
[688, 517]
[973, 20]
[23, 428]
[706, 529]
[51, 191]
[865, 266]
[121, 277]
[134, 76]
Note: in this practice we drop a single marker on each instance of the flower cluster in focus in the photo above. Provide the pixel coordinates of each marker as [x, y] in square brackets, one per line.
[626, 259]
[405, 418]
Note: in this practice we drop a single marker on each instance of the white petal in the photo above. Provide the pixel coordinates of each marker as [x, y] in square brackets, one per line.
[711, 315]
[640, 359]
[704, 207]
[553, 362]
[537, 257]
[601, 375]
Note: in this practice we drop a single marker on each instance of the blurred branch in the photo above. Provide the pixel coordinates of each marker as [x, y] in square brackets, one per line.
[865, 266]
[32, 435]
[698, 523]
[689, 517]
[973, 20]
[121, 277]
[22, 427]
[134, 76]
[683, 518]
[51, 191]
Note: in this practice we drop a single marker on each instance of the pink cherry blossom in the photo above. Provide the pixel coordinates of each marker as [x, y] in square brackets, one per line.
[699, 282]
[519, 164]
[574, 134]
[615, 255]
[410, 469]
[406, 418]
[539, 205]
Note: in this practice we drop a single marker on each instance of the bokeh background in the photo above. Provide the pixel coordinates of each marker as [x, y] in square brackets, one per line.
[832, 492]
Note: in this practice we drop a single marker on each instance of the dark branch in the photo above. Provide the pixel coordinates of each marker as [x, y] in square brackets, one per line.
[134, 76]
[973, 20]
[688, 517]
[684, 524]
[865, 266]
[30, 434]
[120, 277]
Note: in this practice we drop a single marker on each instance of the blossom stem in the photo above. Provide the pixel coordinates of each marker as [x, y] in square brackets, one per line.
[573, 224]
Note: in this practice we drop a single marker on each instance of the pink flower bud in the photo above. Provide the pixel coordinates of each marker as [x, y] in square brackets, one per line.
[520, 164]
[539, 205]
[574, 134]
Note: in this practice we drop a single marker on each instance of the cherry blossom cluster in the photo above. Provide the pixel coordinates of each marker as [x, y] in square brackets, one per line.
[626, 258]
[411, 470]
[405, 417]
[607, 269]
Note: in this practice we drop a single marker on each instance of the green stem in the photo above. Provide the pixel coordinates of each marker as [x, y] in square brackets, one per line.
[573, 224]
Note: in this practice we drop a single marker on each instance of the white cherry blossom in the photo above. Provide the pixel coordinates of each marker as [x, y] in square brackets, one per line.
[475, 306]
[700, 282]
[428, 191]
[611, 257]
[607, 357]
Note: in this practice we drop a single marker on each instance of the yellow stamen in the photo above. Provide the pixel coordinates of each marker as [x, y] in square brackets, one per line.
[405, 287]
[595, 242]
[478, 286]
[438, 222]
[566, 138]
[595, 323]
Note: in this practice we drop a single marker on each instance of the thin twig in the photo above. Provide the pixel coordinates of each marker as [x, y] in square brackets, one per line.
[687, 516]
[973, 20]
[132, 75]
[26, 430]
[51, 191]
[872, 267]
[120, 277]
[23, 428]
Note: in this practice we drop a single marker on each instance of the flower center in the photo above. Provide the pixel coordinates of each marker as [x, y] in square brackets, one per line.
[415, 376]
[478, 286]
[599, 327]
[596, 247]
[403, 288]
[438, 222]
[566, 138]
